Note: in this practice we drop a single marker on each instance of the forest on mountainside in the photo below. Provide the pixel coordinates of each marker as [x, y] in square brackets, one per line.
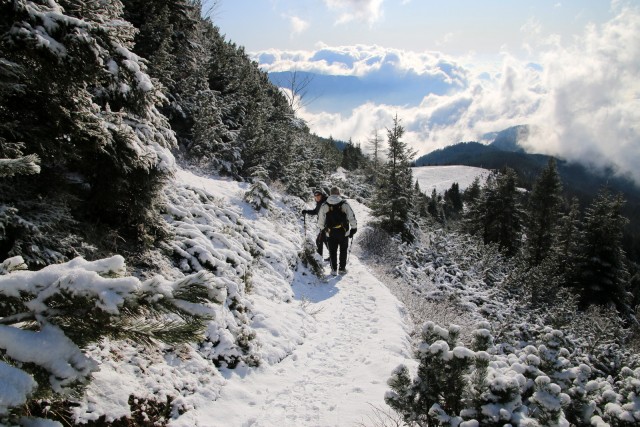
[579, 180]
[106, 98]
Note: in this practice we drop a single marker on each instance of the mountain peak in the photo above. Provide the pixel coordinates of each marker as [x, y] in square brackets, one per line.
[509, 139]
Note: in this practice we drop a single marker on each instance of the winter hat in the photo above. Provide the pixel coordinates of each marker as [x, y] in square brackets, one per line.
[318, 191]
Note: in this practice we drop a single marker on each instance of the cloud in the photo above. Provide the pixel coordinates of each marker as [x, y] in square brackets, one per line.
[298, 25]
[369, 11]
[366, 61]
[582, 98]
[347, 76]
[591, 111]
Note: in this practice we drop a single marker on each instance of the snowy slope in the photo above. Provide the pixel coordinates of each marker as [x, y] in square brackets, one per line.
[441, 177]
[325, 348]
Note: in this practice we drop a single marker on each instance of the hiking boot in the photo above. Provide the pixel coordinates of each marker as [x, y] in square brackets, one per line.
[342, 271]
[334, 273]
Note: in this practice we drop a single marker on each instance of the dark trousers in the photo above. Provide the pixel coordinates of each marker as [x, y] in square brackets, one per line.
[320, 242]
[342, 243]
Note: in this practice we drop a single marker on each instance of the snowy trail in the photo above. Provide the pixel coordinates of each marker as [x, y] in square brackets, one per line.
[329, 380]
[336, 373]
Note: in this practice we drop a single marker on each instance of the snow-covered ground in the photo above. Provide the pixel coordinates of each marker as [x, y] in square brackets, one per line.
[326, 347]
[441, 177]
[335, 374]
[354, 336]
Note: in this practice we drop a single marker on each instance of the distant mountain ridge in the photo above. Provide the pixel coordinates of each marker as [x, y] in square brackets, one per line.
[505, 151]
[577, 179]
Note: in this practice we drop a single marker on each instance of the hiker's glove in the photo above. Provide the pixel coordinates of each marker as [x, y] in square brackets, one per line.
[353, 232]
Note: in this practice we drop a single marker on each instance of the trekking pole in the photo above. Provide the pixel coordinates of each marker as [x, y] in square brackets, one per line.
[349, 250]
[304, 220]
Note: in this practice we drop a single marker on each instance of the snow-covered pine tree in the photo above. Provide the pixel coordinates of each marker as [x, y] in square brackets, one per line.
[473, 191]
[393, 201]
[420, 202]
[568, 241]
[211, 146]
[482, 343]
[173, 38]
[84, 103]
[250, 100]
[375, 144]
[165, 37]
[301, 172]
[352, 157]
[472, 219]
[436, 394]
[625, 409]
[25, 165]
[259, 195]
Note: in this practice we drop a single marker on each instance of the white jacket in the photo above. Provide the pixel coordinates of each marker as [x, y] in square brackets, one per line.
[334, 200]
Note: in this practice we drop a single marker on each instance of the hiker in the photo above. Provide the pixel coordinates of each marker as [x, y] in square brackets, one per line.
[320, 197]
[337, 220]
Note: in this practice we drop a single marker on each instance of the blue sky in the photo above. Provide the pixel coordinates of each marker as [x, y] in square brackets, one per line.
[457, 27]
[456, 70]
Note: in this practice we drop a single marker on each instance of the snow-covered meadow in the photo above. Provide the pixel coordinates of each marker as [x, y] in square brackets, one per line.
[441, 178]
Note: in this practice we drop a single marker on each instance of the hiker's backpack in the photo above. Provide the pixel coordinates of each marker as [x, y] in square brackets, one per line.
[336, 217]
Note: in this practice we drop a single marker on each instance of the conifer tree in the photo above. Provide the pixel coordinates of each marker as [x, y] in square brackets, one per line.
[352, 156]
[375, 143]
[440, 380]
[25, 165]
[498, 216]
[85, 105]
[166, 37]
[434, 207]
[543, 213]
[603, 275]
[301, 173]
[472, 221]
[453, 201]
[393, 201]
[48, 317]
[421, 202]
[211, 141]
[473, 191]
[568, 243]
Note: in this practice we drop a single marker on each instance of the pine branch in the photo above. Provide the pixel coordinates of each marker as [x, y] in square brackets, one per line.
[17, 318]
[27, 165]
[150, 326]
[194, 289]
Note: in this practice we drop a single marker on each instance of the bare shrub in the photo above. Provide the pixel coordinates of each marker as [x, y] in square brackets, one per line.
[378, 243]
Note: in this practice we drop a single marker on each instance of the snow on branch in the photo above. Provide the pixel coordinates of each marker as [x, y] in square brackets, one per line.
[27, 165]
[49, 316]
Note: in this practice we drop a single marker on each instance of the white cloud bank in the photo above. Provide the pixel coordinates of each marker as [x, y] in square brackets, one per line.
[582, 98]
